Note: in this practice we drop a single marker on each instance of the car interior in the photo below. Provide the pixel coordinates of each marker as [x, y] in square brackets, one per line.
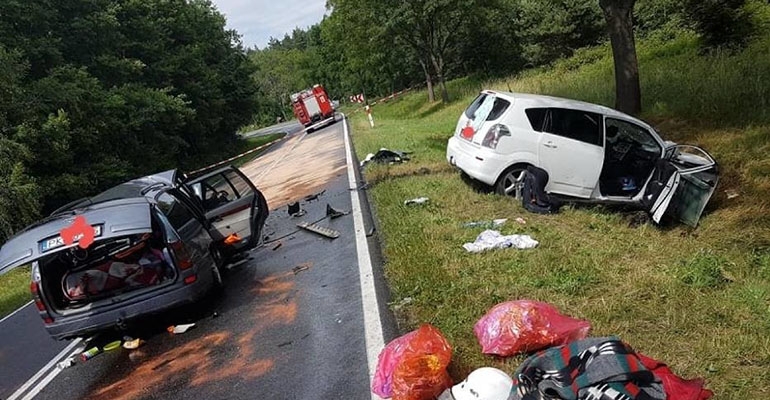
[76, 277]
[630, 156]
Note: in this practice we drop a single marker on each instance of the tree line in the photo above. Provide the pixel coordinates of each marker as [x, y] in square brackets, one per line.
[376, 47]
[94, 92]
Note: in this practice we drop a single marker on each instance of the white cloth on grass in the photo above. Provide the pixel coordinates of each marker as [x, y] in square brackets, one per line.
[490, 239]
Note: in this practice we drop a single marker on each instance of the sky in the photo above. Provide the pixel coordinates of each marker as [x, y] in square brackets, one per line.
[258, 20]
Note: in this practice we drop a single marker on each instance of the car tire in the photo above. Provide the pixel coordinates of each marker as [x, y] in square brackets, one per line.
[511, 181]
[216, 270]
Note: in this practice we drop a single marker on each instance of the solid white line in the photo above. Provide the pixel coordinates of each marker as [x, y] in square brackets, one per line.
[15, 311]
[372, 322]
[51, 364]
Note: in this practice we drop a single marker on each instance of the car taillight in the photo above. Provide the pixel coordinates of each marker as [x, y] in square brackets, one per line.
[34, 287]
[494, 134]
[181, 254]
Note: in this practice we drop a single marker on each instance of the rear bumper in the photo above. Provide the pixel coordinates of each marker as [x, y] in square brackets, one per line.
[92, 321]
[479, 163]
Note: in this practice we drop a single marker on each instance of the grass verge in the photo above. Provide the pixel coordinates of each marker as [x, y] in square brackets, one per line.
[696, 299]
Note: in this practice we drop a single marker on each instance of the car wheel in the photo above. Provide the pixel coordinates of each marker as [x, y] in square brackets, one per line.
[511, 182]
[216, 269]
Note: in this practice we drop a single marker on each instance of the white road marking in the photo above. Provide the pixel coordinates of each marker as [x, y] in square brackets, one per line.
[15, 311]
[51, 364]
[375, 340]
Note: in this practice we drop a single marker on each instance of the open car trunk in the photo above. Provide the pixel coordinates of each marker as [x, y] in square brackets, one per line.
[109, 271]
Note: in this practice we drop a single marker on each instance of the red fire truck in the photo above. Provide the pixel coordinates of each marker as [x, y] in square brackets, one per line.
[312, 105]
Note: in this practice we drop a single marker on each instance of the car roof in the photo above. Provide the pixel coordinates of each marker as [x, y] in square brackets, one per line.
[537, 100]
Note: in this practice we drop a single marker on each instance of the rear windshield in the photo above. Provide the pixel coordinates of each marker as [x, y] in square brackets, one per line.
[471, 111]
[498, 108]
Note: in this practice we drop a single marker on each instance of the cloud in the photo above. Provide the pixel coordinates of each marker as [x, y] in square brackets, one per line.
[258, 20]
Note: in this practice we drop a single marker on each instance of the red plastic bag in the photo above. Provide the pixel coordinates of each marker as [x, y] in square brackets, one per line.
[390, 356]
[421, 373]
[675, 387]
[524, 326]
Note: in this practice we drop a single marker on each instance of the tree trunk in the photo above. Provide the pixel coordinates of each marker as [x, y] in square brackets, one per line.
[620, 24]
[428, 81]
[438, 64]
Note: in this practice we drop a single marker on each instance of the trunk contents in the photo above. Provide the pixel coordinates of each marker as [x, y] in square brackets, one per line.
[107, 269]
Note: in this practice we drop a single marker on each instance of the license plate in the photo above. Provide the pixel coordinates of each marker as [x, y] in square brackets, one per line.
[58, 241]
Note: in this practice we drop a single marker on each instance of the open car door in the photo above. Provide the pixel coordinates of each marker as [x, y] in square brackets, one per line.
[232, 204]
[682, 184]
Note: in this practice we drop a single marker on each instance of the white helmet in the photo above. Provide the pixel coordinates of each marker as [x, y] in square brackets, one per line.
[482, 384]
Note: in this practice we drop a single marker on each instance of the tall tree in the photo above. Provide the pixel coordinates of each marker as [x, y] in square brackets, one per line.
[619, 15]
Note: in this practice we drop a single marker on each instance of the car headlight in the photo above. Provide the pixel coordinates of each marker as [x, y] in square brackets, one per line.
[494, 134]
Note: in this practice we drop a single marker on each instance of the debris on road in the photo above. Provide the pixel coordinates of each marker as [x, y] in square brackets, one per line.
[300, 268]
[521, 220]
[330, 233]
[66, 363]
[131, 343]
[277, 246]
[731, 194]
[112, 345]
[419, 200]
[90, 353]
[385, 156]
[486, 224]
[524, 326]
[489, 240]
[295, 210]
[332, 213]
[312, 197]
[178, 329]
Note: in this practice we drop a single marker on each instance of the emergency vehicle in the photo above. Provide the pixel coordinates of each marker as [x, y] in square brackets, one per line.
[312, 105]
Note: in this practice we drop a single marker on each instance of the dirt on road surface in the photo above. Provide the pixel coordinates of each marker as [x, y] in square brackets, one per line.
[301, 167]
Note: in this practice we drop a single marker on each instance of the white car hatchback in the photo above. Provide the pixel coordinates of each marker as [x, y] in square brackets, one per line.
[590, 153]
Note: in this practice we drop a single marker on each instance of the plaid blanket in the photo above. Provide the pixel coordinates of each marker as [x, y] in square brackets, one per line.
[590, 369]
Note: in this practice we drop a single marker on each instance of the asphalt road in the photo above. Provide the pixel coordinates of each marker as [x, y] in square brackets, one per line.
[289, 325]
[289, 127]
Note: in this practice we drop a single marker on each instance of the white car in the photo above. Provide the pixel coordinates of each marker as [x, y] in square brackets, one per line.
[591, 153]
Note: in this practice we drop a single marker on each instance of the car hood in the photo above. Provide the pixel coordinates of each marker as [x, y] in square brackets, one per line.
[121, 218]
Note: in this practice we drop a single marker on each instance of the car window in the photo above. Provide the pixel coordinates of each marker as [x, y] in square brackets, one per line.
[498, 109]
[623, 133]
[584, 126]
[242, 188]
[177, 214]
[471, 111]
[536, 117]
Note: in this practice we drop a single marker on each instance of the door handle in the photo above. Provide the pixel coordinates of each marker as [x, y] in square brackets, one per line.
[550, 145]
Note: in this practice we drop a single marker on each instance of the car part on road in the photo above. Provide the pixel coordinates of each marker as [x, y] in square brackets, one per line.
[489, 240]
[419, 200]
[277, 246]
[481, 384]
[330, 233]
[315, 196]
[300, 268]
[333, 213]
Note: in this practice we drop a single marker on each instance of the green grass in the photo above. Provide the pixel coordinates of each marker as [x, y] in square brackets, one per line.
[14, 290]
[698, 299]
